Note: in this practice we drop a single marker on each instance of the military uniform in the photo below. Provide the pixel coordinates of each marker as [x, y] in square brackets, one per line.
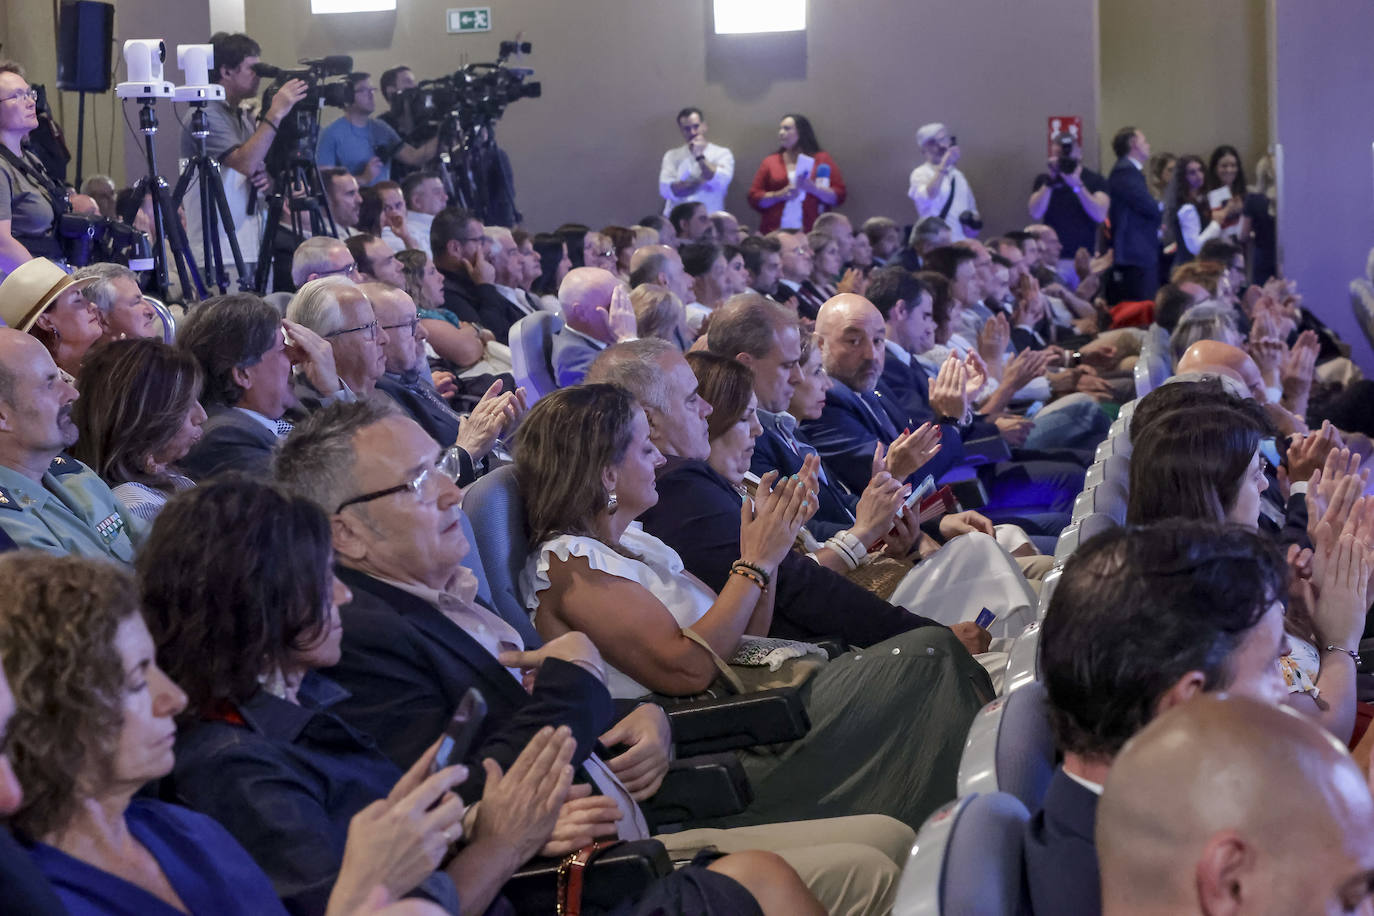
[71, 511]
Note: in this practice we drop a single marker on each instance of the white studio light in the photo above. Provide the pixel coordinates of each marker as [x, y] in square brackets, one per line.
[319, 7]
[195, 61]
[743, 17]
[143, 58]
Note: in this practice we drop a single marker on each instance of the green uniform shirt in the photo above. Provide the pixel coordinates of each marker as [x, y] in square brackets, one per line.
[71, 512]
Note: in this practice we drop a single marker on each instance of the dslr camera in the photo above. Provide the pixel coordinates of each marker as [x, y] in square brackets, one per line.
[1067, 161]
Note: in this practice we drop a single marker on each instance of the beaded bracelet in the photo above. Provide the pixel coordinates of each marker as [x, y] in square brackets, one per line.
[763, 575]
[1354, 656]
[749, 574]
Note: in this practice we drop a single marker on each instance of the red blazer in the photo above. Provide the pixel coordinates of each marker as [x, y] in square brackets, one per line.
[772, 176]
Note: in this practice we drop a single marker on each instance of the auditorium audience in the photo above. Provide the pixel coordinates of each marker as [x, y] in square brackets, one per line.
[827, 260]
[662, 265]
[790, 199]
[49, 501]
[138, 418]
[337, 310]
[425, 197]
[692, 223]
[762, 263]
[29, 199]
[1188, 207]
[728, 229]
[42, 299]
[1260, 807]
[470, 292]
[706, 264]
[795, 267]
[660, 314]
[114, 291]
[1142, 620]
[1134, 216]
[884, 237]
[623, 241]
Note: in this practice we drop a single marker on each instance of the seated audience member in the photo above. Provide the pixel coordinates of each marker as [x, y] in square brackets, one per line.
[425, 197]
[49, 501]
[1143, 619]
[1205, 464]
[241, 345]
[708, 452]
[574, 235]
[1208, 321]
[115, 293]
[884, 238]
[40, 298]
[407, 381]
[598, 251]
[393, 218]
[763, 263]
[511, 279]
[623, 241]
[26, 890]
[554, 264]
[263, 739]
[837, 227]
[667, 235]
[860, 253]
[692, 223]
[727, 228]
[660, 314]
[736, 276]
[596, 313]
[416, 637]
[336, 310]
[459, 246]
[826, 262]
[663, 266]
[322, 256]
[707, 266]
[139, 417]
[374, 260]
[460, 343]
[344, 198]
[1172, 301]
[861, 413]
[586, 471]
[101, 189]
[1261, 812]
[94, 723]
[927, 235]
[795, 267]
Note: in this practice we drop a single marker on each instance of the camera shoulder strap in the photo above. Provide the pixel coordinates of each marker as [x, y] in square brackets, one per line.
[949, 201]
[56, 194]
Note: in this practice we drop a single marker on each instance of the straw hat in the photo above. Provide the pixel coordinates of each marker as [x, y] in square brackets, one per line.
[31, 288]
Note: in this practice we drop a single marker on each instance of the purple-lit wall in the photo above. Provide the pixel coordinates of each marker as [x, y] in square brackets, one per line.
[1323, 99]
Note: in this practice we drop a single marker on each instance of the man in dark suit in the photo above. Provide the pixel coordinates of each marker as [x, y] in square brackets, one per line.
[1142, 620]
[1135, 217]
[458, 242]
[238, 341]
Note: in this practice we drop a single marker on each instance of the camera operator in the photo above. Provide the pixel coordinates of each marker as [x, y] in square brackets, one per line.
[238, 144]
[366, 145]
[938, 188]
[29, 199]
[1072, 201]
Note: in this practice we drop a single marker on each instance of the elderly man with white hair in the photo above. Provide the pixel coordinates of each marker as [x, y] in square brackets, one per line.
[124, 312]
[937, 187]
[339, 312]
[321, 256]
[510, 265]
[597, 312]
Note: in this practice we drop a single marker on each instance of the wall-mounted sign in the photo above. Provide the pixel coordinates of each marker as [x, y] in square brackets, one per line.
[471, 19]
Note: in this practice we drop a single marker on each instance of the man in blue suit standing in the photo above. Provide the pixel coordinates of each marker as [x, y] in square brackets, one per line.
[1134, 216]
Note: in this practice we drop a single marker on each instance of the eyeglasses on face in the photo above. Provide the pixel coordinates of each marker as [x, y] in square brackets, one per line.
[350, 269]
[369, 330]
[410, 326]
[426, 486]
[23, 95]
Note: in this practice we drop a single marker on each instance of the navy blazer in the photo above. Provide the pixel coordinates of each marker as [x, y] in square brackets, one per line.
[26, 890]
[230, 440]
[1060, 856]
[572, 356]
[1134, 215]
[437, 418]
[406, 667]
[771, 453]
[697, 515]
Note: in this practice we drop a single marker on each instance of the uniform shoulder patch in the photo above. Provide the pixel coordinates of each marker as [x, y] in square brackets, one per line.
[7, 501]
[64, 465]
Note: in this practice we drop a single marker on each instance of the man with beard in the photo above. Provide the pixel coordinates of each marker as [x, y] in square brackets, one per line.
[49, 501]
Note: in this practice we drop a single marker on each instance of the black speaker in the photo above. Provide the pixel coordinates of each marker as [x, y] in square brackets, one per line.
[85, 41]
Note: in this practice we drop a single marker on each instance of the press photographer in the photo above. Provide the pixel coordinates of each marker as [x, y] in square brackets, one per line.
[239, 144]
[1071, 200]
[366, 145]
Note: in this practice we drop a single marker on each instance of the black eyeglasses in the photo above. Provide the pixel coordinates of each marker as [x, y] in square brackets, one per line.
[351, 270]
[369, 330]
[410, 326]
[426, 485]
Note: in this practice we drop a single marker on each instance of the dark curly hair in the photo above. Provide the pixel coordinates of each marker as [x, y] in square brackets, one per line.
[235, 576]
[58, 620]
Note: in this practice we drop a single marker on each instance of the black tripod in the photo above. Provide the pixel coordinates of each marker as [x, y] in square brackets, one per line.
[214, 208]
[166, 226]
[299, 192]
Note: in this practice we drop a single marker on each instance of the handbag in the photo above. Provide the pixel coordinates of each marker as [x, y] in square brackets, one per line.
[762, 663]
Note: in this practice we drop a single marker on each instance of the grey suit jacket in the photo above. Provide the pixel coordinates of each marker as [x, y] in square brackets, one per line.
[230, 441]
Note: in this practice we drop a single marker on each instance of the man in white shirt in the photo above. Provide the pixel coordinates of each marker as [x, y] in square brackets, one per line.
[697, 170]
[425, 196]
[937, 187]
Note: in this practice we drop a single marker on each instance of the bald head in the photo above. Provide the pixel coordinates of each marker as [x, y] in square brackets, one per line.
[1227, 805]
[852, 334]
[1224, 359]
[585, 294]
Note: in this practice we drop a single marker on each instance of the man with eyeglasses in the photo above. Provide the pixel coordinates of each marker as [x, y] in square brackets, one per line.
[322, 256]
[365, 145]
[407, 381]
[460, 244]
[336, 310]
[510, 266]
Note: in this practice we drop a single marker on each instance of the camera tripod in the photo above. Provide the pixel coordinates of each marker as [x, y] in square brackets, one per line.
[166, 225]
[479, 174]
[299, 193]
[214, 208]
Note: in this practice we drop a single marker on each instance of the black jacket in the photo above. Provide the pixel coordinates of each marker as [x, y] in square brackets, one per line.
[1060, 856]
[230, 441]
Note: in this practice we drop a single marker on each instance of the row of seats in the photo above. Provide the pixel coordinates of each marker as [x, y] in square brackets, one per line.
[967, 859]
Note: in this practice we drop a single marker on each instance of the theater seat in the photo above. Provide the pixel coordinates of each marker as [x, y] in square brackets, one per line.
[278, 300]
[531, 353]
[967, 861]
[165, 318]
[493, 504]
[1023, 661]
[1010, 747]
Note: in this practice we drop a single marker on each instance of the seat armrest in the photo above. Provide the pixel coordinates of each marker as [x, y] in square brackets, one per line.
[620, 873]
[712, 726]
[712, 785]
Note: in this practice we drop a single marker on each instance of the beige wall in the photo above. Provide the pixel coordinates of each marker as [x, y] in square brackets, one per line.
[867, 72]
[1191, 75]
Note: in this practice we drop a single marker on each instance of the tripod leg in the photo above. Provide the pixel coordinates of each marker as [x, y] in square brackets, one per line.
[267, 250]
[170, 230]
[210, 171]
[214, 260]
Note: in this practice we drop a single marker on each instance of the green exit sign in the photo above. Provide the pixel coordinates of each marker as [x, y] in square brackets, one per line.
[471, 19]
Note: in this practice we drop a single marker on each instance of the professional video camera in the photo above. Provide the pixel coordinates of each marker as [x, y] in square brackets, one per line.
[89, 239]
[300, 130]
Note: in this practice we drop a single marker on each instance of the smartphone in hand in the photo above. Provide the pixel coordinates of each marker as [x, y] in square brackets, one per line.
[461, 730]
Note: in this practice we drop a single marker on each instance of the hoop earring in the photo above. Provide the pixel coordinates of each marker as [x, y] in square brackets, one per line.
[612, 504]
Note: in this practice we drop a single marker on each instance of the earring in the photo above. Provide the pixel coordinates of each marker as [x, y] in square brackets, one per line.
[612, 504]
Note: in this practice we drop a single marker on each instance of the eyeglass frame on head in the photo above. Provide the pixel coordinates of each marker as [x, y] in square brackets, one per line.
[448, 466]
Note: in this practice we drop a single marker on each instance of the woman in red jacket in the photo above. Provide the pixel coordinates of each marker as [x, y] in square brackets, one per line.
[788, 200]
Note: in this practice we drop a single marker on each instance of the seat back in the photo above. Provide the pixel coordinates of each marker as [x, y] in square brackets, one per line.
[497, 513]
[1116, 468]
[278, 300]
[473, 560]
[531, 353]
[166, 318]
[1023, 661]
[1144, 382]
[967, 861]
[1010, 747]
